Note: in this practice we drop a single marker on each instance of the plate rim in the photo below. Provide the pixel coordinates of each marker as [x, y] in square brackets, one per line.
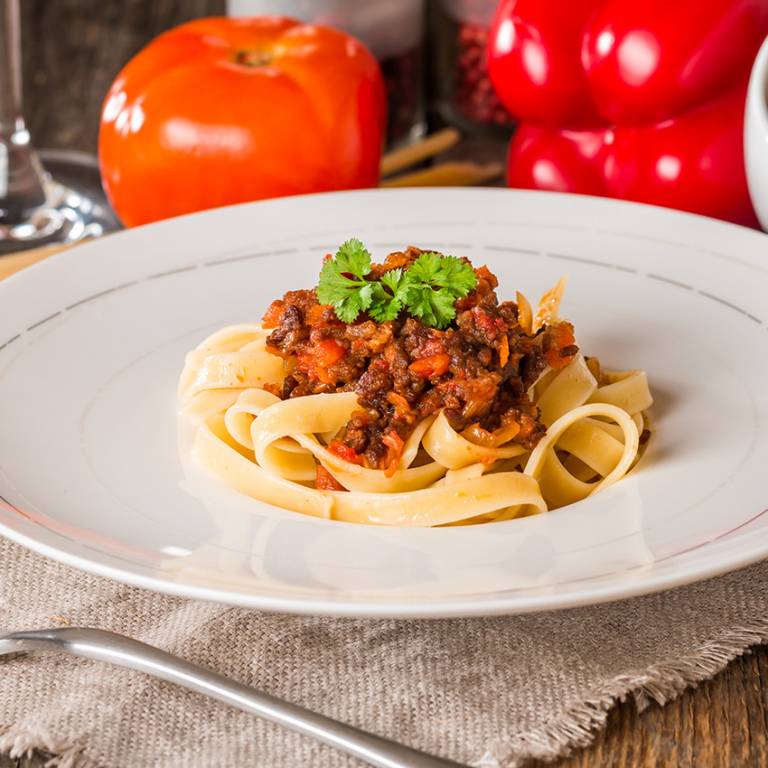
[402, 607]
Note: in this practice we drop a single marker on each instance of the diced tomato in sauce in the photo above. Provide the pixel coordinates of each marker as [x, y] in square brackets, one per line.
[343, 451]
[491, 326]
[330, 351]
[434, 345]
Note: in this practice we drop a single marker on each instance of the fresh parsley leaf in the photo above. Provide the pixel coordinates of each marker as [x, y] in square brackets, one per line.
[428, 289]
[393, 280]
[388, 296]
[433, 308]
[447, 272]
[385, 306]
[424, 268]
[433, 283]
[350, 307]
[353, 257]
[342, 281]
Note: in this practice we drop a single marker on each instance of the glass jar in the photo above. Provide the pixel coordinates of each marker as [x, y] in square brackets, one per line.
[392, 29]
[465, 96]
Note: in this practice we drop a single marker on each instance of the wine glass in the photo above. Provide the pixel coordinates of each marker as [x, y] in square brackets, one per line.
[36, 207]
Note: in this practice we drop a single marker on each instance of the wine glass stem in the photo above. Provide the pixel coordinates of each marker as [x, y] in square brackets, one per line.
[21, 175]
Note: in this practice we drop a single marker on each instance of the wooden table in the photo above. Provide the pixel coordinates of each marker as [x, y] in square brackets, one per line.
[723, 722]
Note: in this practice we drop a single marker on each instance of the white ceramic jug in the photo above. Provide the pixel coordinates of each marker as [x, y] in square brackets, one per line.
[756, 136]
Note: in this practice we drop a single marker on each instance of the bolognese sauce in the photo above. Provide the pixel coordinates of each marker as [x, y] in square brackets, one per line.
[478, 370]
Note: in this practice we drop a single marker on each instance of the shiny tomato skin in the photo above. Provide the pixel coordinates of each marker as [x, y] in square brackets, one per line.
[221, 111]
[534, 61]
[694, 162]
[649, 61]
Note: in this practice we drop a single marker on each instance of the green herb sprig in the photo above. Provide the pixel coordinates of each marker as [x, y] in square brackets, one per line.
[428, 289]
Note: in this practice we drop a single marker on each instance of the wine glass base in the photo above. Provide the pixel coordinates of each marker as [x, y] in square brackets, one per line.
[76, 207]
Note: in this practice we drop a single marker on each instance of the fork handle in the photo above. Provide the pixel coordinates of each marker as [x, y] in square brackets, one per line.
[112, 648]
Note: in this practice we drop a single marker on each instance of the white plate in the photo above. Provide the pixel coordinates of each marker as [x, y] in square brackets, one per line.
[92, 342]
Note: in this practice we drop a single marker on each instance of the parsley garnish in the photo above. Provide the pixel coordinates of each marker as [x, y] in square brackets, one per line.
[427, 290]
[343, 283]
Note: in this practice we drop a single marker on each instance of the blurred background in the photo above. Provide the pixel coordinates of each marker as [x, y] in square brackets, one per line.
[73, 49]
[647, 102]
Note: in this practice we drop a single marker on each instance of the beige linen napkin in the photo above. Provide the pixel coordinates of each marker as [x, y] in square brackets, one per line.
[487, 692]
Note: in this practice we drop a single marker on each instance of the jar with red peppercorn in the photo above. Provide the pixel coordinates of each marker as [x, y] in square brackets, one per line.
[465, 96]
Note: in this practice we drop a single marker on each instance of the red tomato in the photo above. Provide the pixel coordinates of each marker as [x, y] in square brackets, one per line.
[694, 162]
[557, 160]
[221, 111]
[650, 60]
[534, 60]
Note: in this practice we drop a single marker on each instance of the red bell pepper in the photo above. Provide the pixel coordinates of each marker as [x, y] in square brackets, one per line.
[637, 100]
[534, 61]
[559, 160]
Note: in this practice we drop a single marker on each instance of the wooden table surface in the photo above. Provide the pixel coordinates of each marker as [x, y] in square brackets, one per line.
[722, 723]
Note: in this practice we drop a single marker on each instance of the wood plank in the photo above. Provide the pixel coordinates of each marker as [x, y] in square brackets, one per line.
[724, 722]
[72, 51]
[16, 261]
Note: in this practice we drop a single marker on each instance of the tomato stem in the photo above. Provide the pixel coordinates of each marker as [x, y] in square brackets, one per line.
[248, 58]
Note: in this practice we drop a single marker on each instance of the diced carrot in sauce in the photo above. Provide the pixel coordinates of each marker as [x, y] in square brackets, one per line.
[429, 367]
[330, 351]
[316, 314]
[402, 407]
[318, 359]
[503, 350]
[325, 481]
[274, 314]
[559, 353]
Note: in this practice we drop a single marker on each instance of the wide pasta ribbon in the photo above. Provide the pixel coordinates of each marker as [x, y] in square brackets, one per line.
[593, 430]
[270, 448]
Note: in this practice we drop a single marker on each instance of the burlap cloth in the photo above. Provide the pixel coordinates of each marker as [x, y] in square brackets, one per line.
[487, 692]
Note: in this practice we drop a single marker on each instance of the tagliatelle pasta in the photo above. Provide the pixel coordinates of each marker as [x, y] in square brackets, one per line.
[573, 430]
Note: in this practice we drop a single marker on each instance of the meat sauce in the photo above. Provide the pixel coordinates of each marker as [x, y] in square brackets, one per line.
[478, 370]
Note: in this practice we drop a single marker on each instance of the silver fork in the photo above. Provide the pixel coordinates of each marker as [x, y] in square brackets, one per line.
[100, 645]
